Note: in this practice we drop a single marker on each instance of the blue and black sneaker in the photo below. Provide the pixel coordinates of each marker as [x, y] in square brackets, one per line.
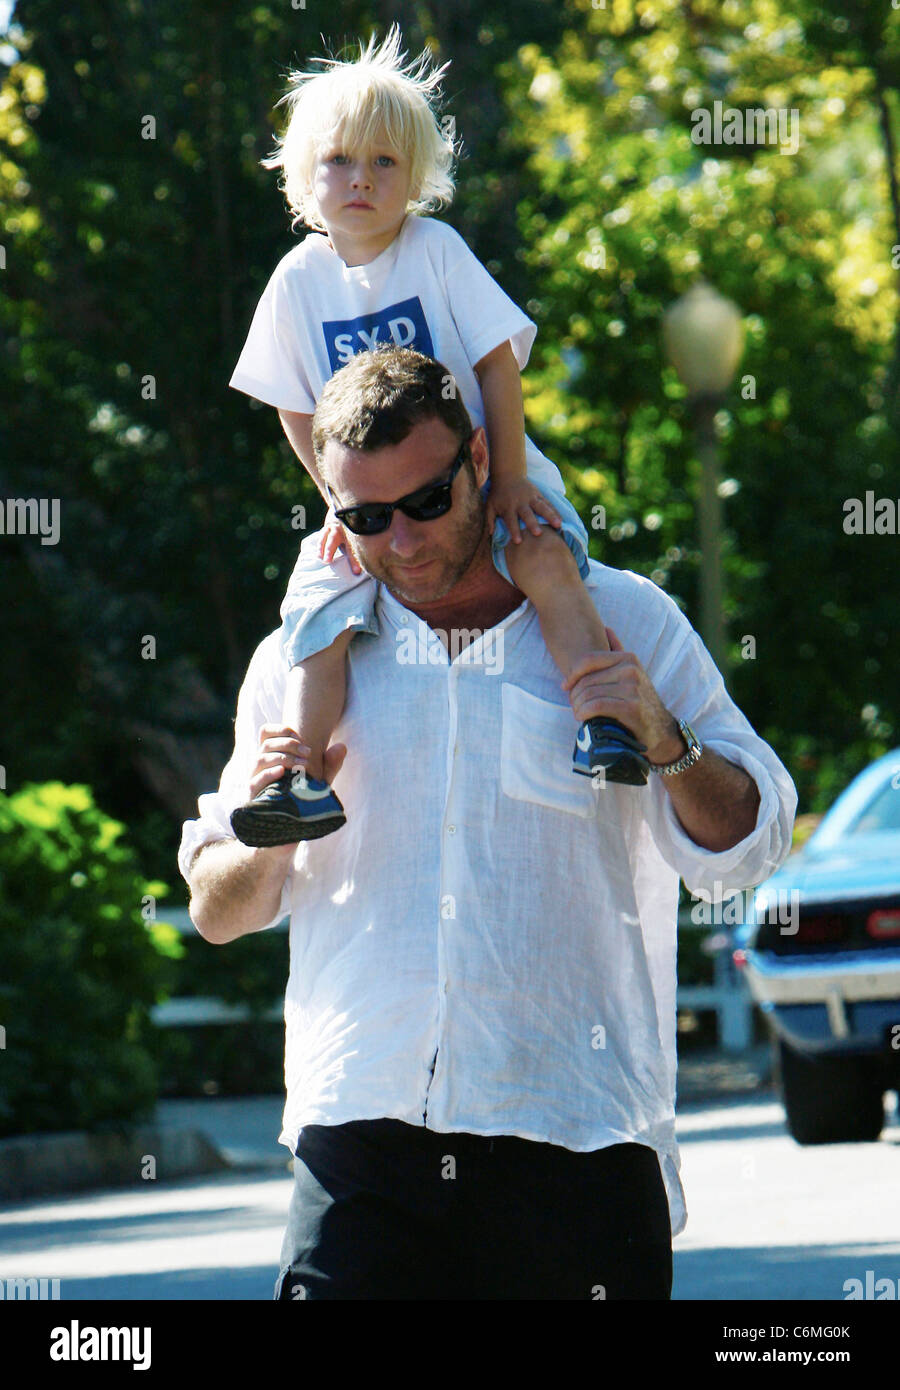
[604, 748]
[294, 808]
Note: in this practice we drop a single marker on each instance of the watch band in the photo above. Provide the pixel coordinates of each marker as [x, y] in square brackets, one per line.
[692, 756]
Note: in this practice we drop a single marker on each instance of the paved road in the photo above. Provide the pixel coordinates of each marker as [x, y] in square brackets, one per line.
[767, 1220]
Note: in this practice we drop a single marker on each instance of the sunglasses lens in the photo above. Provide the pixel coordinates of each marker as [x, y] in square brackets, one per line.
[367, 521]
[432, 504]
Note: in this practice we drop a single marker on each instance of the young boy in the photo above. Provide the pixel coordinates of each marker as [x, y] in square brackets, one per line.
[365, 159]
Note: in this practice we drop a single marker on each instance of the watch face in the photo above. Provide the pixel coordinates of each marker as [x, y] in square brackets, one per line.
[689, 736]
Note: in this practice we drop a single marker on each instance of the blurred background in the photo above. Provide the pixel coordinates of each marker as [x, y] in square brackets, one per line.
[138, 231]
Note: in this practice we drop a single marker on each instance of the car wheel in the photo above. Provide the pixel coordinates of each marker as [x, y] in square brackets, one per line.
[829, 1100]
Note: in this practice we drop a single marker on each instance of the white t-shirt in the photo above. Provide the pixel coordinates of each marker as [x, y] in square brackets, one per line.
[425, 291]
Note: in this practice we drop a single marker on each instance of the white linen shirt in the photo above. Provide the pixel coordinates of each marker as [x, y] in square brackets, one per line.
[489, 944]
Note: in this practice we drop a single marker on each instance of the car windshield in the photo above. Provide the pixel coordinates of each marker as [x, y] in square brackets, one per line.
[881, 813]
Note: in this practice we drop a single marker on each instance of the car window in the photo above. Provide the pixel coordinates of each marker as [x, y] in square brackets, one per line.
[882, 812]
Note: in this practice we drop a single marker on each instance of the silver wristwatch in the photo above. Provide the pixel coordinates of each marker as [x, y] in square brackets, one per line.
[692, 756]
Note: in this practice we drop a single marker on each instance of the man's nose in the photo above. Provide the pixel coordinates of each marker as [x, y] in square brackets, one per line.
[406, 535]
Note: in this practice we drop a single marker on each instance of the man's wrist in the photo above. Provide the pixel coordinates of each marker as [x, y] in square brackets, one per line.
[669, 749]
[688, 758]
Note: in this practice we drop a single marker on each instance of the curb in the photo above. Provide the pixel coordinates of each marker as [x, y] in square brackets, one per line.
[40, 1165]
[722, 1078]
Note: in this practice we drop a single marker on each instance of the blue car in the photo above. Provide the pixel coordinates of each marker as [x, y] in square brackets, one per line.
[820, 953]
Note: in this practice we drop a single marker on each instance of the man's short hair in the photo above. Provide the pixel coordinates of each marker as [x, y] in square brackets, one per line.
[380, 395]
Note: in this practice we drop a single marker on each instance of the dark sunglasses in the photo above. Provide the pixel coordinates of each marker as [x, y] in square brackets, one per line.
[425, 504]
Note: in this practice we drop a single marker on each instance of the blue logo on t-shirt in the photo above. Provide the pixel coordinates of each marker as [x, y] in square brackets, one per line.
[402, 324]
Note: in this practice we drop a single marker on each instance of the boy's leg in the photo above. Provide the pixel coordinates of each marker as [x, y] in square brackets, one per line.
[544, 568]
[300, 805]
[315, 699]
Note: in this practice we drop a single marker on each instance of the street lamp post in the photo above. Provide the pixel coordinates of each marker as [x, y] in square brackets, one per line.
[703, 335]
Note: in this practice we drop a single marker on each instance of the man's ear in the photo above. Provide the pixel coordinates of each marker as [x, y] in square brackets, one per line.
[480, 456]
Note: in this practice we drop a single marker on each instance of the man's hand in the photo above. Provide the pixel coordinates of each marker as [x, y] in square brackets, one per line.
[615, 684]
[236, 889]
[519, 500]
[333, 537]
[716, 801]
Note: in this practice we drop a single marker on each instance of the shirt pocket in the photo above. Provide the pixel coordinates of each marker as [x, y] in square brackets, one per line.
[536, 746]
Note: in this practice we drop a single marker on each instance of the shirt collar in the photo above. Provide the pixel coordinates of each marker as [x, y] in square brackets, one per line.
[399, 616]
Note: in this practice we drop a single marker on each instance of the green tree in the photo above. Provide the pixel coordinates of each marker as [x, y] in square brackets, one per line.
[82, 961]
[625, 213]
[140, 230]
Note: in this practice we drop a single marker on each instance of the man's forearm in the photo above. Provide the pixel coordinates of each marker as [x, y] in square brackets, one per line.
[715, 801]
[235, 889]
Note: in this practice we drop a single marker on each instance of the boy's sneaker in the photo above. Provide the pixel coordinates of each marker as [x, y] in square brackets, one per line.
[294, 808]
[606, 746]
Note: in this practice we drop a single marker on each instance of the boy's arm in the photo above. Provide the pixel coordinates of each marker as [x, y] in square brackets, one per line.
[298, 429]
[512, 496]
[501, 391]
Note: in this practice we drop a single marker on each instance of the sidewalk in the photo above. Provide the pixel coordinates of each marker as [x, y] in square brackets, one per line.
[190, 1138]
[245, 1129]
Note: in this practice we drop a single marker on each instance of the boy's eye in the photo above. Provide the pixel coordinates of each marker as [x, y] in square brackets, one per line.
[385, 160]
[338, 159]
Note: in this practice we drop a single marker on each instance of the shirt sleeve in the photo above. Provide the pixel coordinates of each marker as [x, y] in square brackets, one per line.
[484, 315]
[259, 702]
[270, 367]
[691, 687]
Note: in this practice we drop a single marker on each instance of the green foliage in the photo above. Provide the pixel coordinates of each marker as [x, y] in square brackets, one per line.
[583, 192]
[79, 971]
[229, 1058]
[624, 212]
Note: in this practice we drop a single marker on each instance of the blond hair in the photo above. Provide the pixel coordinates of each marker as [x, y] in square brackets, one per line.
[359, 100]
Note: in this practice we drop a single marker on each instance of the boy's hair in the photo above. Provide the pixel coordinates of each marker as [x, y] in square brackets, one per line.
[358, 99]
[380, 395]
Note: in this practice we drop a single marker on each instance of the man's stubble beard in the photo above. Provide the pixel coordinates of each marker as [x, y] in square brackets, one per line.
[467, 539]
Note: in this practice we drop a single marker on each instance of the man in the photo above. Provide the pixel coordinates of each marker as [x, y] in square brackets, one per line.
[480, 1013]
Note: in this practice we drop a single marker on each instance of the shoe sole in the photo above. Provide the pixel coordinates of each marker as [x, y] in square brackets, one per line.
[623, 770]
[275, 828]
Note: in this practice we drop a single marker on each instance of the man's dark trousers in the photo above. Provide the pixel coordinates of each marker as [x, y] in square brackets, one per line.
[382, 1209]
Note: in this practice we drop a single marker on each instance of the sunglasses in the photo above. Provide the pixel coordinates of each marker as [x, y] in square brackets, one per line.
[425, 504]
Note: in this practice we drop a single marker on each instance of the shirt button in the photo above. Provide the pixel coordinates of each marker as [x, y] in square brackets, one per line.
[451, 829]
